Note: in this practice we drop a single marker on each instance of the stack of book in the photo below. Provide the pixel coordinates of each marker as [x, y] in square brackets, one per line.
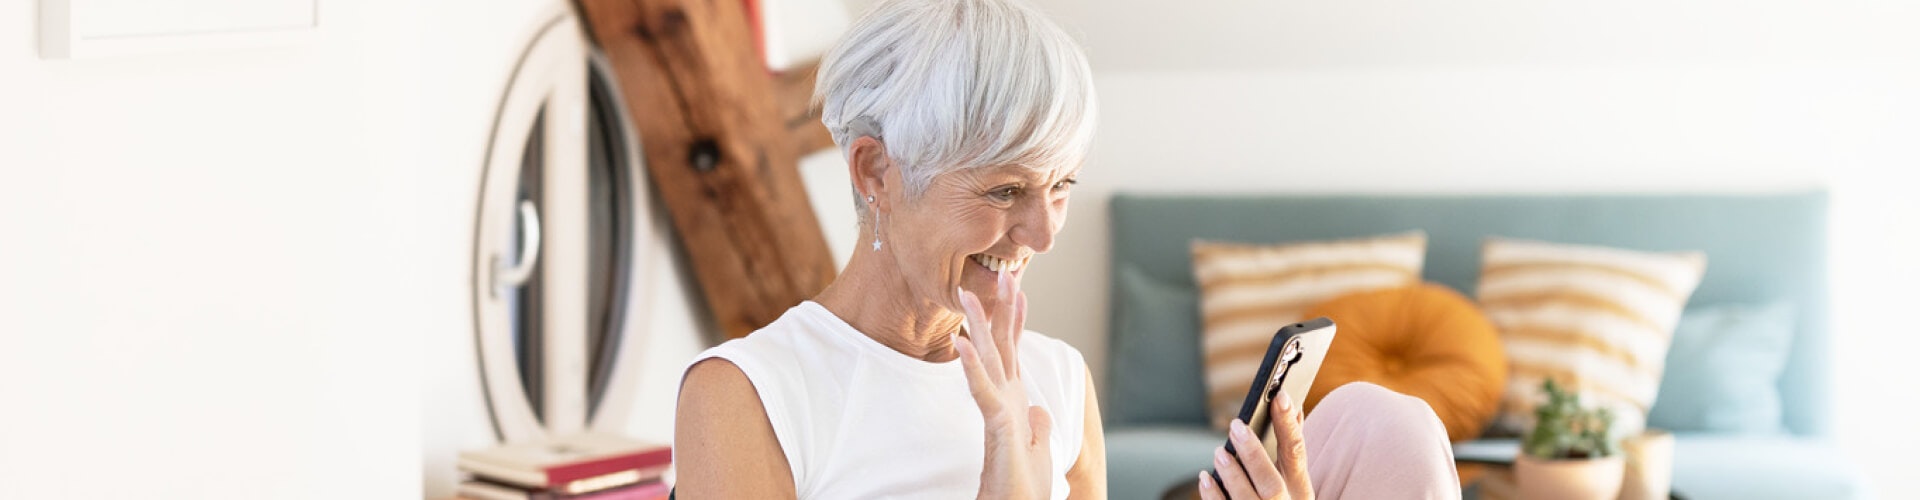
[590, 466]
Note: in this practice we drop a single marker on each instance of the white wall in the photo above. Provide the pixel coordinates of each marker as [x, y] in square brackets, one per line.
[1399, 96]
[1148, 35]
[244, 273]
[211, 271]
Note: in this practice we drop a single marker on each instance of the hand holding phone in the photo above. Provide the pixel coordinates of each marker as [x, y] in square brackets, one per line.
[1292, 360]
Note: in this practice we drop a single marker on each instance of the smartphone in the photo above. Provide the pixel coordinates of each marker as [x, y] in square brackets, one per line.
[1292, 359]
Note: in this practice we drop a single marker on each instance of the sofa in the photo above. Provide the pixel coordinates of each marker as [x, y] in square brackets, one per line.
[1760, 248]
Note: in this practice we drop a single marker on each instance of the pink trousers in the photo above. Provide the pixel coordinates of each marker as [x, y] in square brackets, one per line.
[1365, 441]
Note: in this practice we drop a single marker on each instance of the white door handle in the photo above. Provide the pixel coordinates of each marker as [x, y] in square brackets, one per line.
[508, 276]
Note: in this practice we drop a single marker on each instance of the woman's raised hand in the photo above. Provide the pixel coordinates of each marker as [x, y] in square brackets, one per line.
[1263, 477]
[1018, 464]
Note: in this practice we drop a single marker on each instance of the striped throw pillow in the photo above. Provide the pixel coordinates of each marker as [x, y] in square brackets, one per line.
[1597, 320]
[1247, 292]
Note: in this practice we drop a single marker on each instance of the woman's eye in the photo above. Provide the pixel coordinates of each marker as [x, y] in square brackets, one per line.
[1006, 193]
[1065, 184]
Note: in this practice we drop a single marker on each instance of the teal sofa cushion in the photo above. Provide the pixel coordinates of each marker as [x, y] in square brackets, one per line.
[1723, 370]
[1157, 339]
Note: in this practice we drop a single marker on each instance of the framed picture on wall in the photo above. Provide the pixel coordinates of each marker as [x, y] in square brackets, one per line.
[79, 29]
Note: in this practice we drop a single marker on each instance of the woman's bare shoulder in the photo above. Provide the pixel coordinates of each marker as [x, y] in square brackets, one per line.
[724, 444]
[715, 377]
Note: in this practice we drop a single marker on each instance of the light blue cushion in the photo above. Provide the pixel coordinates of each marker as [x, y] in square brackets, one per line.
[1716, 467]
[1723, 370]
[1156, 354]
[1142, 462]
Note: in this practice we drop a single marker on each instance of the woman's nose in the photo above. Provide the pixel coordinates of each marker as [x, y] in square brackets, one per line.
[1035, 227]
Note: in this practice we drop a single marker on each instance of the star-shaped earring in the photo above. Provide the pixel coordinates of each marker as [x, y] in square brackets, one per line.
[876, 226]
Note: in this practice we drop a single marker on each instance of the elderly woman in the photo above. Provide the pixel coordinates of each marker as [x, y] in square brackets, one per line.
[964, 124]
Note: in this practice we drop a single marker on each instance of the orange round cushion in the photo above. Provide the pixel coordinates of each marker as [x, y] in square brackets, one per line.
[1424, 340]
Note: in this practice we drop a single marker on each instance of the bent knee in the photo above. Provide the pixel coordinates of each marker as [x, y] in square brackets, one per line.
[1372, 396]
[1380, 403]
[1361, 390]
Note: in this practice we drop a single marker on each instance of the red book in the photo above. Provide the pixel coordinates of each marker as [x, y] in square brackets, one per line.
[650, 491]
[580, 463]
[484, 490]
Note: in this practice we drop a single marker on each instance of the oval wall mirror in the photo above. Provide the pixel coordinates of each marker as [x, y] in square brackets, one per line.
[556, 264]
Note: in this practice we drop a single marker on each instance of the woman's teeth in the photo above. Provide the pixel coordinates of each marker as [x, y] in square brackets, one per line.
[996, 264]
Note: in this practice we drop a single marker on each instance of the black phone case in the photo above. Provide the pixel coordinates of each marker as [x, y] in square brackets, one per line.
[1253, 411]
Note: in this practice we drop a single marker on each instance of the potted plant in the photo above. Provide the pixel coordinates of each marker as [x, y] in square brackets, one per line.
[1571, 452]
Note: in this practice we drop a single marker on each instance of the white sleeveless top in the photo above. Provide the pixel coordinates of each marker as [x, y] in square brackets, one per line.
[857, 419]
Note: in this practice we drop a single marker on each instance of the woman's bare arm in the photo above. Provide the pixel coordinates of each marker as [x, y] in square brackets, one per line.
[1088, 477]
[724, 445]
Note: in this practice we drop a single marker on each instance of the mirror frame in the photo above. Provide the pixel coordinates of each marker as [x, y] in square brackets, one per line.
[551, 79]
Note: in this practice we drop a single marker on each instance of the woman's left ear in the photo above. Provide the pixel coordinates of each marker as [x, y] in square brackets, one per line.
[871, 170]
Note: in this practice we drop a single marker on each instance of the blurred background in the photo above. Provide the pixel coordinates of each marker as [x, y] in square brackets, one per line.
[246, 269]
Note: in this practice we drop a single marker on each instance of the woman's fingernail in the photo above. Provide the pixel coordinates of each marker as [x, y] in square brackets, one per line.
[1206, 483]
[1220, 457]
[1240, 431]
[1286, 402]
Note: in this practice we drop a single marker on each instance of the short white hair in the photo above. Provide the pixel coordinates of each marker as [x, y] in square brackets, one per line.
[955, 84]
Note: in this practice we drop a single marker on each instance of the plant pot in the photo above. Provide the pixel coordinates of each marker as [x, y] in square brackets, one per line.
[1572, 479]
[1649, 466]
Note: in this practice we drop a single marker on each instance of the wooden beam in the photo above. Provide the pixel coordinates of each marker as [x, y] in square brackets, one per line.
[793, 92]
[719, 151]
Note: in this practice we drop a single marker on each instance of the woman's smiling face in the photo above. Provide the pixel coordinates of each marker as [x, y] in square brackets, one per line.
[971, 224]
